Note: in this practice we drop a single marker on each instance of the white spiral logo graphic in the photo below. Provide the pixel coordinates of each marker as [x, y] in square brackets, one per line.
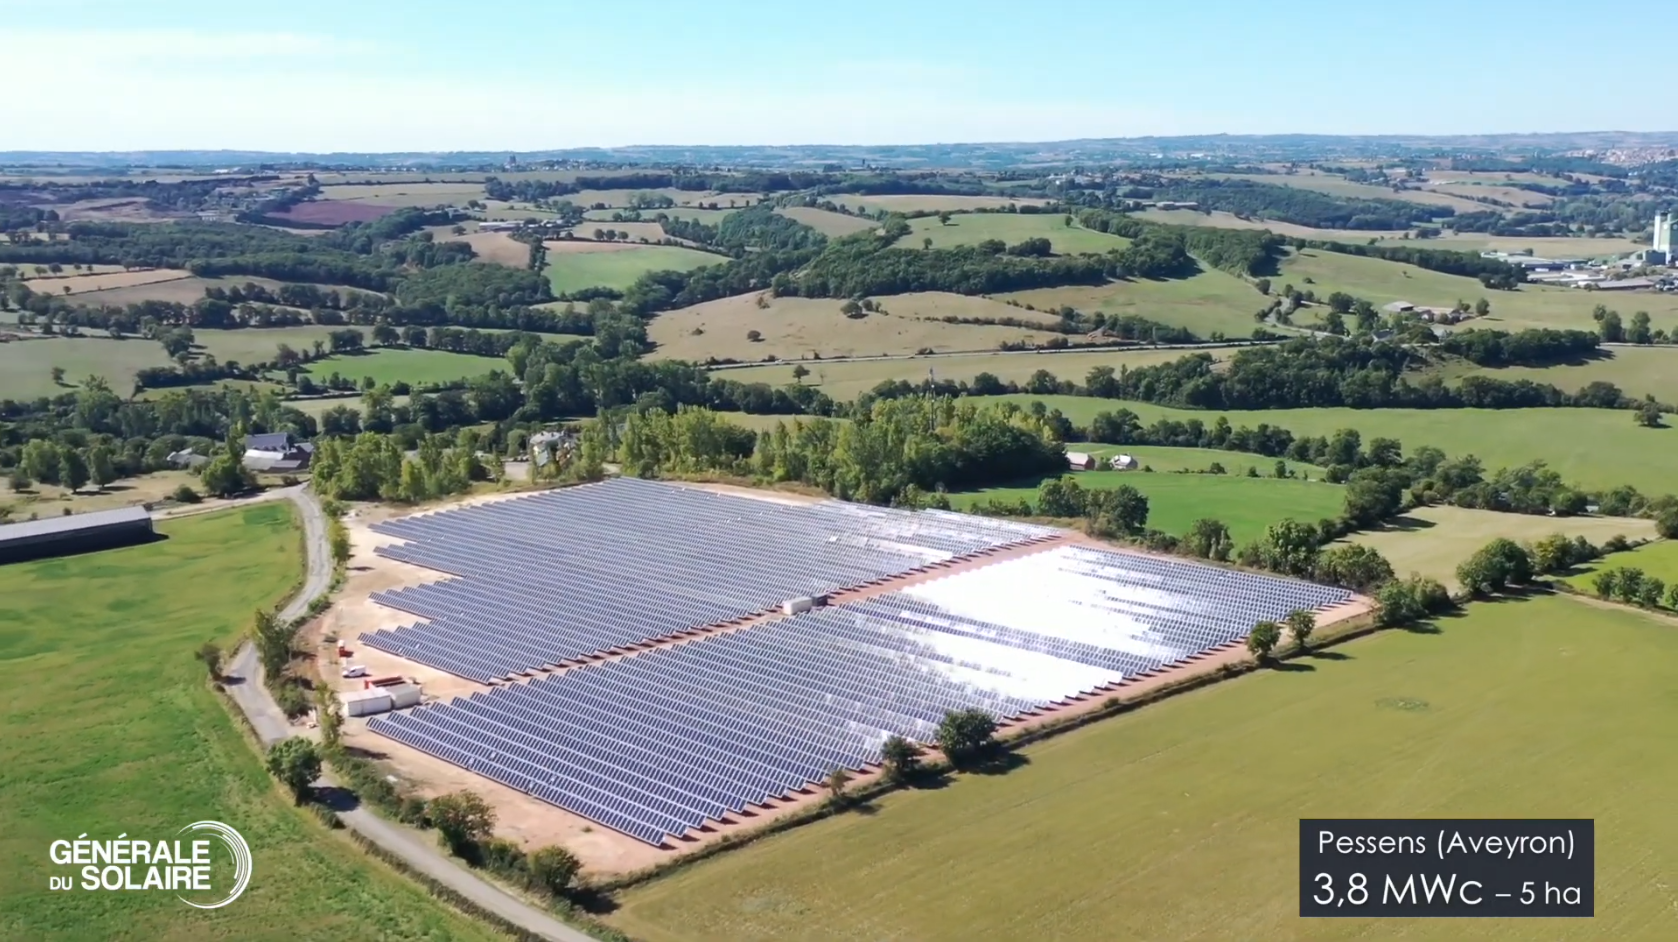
[241, 860]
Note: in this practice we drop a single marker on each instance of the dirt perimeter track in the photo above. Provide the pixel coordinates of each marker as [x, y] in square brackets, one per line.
[605, 852]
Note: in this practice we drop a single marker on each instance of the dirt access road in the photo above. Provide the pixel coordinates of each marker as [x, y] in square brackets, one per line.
[244, 685]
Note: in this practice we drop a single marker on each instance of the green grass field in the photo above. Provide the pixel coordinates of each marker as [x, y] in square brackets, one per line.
[973, 228]
[1639, 371]
[934, 202]
[1381, 282]
[1433, 541]
[1181, 820]
[258, 344]
[110, 728]
[574, 271]
[1175, 501]
[1162, 458]
[827, 223]
[1210, 302]
[1596, 448]
[1552, 247]
[1659, 559]
[26, 365]
[709, 217]
[846, 380]
[389, 365]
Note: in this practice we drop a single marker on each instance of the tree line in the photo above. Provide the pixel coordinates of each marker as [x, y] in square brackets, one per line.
[1357, 372]
[1295, 205]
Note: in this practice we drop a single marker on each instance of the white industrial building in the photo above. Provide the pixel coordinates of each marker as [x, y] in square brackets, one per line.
[1666, 233]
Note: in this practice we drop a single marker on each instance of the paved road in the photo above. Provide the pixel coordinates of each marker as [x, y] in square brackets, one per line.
[418, 850]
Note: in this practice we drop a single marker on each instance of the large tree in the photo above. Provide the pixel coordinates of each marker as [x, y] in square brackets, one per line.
[901, 759]
[1263, 639]
[462, 819]
[296, 763]
[552, 869]
[967, 736]
[1300, 625]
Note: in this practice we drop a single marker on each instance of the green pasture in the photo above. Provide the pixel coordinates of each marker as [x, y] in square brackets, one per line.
[1209, 302]
[26, 365]
[574, 271]
[1658, 559]
[391, 365]
[108, 726]
[1596, 448]
[1181, 820]
[1639, 371]
[973, 228]
[1175, 501]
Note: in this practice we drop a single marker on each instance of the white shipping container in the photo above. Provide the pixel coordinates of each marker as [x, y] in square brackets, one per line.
[797, 606]
[366, 702]
[403, 696]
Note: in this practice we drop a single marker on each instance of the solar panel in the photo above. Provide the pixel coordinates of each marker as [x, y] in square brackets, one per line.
[570, 573]
[656, 744]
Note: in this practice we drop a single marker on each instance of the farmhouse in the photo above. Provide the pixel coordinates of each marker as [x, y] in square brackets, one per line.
[61, 536]
[277, 453]
[1080, 461]
[1123, 463]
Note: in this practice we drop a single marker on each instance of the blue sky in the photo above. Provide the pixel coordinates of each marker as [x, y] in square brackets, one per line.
[423, 75]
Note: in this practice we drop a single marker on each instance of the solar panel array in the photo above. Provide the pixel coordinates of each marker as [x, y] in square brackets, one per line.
[661, 742]
[561, 575]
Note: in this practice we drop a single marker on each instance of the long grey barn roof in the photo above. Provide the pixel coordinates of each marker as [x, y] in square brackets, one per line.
[34, 529]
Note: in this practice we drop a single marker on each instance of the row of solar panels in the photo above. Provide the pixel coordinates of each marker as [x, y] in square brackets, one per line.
[685, 734]
[697, 731]
[569, 573]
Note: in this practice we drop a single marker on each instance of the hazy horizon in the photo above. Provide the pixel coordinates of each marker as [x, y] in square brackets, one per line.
[381, 77]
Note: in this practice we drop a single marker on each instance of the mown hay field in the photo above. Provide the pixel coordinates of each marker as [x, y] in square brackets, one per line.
[1593, 448]
[909, 203]
[1175, 501]
[44, 277]
[495, 247]
[830, 224]
[183, 290]
[110, 727]
[406, 194]
[572, 268]
[709, 217]
[1180, 820]
[622, 199]
[1011, 228]
[845, 380]
[797, 328]
[1433, 541]
[636, 231]
[74, 284]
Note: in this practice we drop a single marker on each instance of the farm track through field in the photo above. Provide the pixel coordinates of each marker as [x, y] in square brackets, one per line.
[271, 726]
